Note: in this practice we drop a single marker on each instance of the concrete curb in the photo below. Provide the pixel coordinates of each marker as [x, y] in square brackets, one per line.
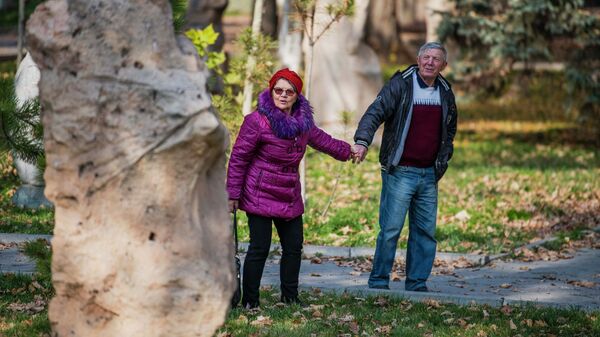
[7, 238]
[462, 300]
[533, 245]
[308, 250]
[353, 252]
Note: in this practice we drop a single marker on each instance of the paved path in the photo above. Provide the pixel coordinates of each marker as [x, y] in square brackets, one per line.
[564, 283]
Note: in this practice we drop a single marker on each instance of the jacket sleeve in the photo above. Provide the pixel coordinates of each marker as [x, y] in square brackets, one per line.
[452, 128]
[323, 142]
[379, 111]
[242, 153]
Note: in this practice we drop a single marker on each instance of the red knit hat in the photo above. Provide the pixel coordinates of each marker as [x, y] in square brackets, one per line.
[289, 75]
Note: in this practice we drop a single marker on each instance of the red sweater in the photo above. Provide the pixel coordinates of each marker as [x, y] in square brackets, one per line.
[423, 139]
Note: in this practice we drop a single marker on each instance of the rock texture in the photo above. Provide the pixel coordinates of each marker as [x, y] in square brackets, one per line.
[135, 168]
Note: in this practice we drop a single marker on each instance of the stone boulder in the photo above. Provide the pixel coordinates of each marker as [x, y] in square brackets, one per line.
[136, 170]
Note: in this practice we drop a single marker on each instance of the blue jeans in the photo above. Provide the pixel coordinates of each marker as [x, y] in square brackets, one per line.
[413, 190]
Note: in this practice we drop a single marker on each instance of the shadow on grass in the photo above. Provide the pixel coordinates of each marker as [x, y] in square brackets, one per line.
[526, 146]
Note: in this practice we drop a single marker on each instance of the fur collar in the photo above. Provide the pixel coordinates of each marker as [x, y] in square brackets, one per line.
[284, 125]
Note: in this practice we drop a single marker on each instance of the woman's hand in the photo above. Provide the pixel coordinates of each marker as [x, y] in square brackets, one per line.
[233, 205]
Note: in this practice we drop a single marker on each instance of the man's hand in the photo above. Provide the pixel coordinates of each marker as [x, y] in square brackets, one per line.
[359, 152]
[233, 205]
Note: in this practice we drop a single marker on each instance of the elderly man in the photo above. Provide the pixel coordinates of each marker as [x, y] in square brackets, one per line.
[418, 108]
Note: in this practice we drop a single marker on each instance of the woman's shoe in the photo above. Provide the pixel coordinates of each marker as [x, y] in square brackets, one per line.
[250, 305]
[292, 300]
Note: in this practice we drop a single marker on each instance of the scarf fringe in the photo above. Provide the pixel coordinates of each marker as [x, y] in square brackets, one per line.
[283, 125]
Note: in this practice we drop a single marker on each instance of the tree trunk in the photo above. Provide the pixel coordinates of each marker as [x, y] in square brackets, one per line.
[344, 67]
[290, 39]
[248, 86]
[268, 25]
[136, 172]
[201, 13]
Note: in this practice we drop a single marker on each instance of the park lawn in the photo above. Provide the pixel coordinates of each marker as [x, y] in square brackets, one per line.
[24, 298]
[509, 183]
[24, 313]
[351, 315]
[19, 220]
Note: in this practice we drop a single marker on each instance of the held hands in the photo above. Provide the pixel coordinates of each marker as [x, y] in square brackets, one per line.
[233, 205]
[359, 152]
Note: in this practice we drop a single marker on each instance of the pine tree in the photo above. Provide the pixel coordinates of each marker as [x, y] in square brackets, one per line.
[21, 129]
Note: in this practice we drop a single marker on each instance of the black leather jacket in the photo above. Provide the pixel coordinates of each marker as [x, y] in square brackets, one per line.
[392, 108]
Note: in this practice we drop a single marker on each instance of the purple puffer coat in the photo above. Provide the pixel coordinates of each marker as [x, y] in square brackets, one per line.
[263, 167]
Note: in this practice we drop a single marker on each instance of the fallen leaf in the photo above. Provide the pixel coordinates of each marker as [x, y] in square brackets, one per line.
[355, 273]
[316, 260]
[431, 303]
[262, 321]
[394, 277]
[584, 284]
[462, 216]
[505, 285]
[512, 325]
[347, 318]
[385, 329]
[506, 309]
[354, 327]
[315, 275]
[381, 301]
[317, 314]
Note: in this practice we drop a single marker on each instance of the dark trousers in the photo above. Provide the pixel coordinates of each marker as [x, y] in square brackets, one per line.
[291, 238]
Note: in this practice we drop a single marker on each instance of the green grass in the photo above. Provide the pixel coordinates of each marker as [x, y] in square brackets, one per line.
[24, 313]
[19, 220]
[516, 181]
[351, 315]
[24, 298]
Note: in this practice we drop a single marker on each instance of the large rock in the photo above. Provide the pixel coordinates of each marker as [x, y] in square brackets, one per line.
[346, 75]
[135, 168]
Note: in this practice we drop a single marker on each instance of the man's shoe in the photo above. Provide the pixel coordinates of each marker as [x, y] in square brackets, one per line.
[385, 287]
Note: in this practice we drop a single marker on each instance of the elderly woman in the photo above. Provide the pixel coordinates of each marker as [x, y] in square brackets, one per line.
[263, 180]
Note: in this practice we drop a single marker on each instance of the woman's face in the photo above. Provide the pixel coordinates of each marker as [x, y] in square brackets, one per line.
[284, 95]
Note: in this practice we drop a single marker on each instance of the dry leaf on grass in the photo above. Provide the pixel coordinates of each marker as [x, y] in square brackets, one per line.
[262, 321]
[384, 330]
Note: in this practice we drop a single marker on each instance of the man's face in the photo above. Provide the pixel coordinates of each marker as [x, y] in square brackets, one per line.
[431, 63]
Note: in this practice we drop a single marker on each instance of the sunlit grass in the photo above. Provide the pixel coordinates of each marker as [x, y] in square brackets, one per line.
[352, 315]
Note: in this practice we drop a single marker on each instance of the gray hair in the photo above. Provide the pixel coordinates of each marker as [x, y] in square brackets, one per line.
[433, 45]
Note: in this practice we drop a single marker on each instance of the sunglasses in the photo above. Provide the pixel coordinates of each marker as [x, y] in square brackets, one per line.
[288, 92]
